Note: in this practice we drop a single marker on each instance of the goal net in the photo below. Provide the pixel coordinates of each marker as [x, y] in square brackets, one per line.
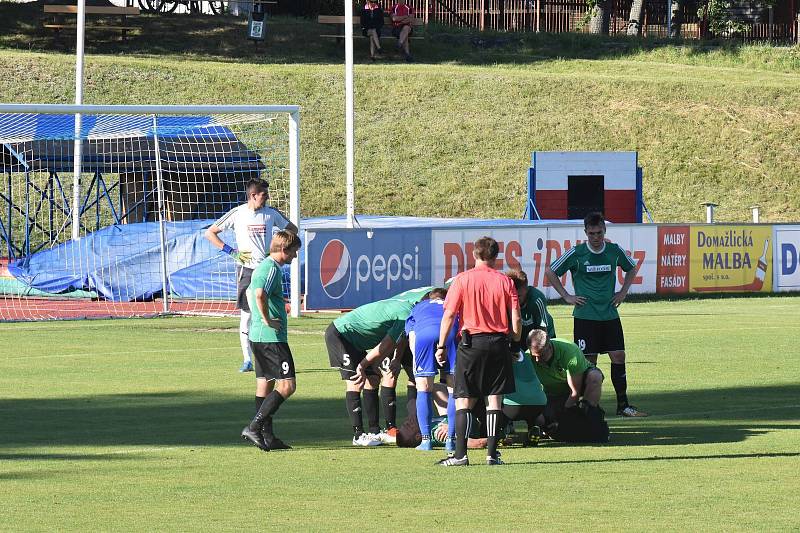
[103, 209]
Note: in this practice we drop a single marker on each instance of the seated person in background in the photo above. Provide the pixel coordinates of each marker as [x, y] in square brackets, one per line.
[371, 24]
[402, 20]
[573, 386]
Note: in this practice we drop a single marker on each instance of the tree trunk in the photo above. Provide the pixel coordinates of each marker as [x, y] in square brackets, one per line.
[601, 18]
[677, 18]
[635, 18]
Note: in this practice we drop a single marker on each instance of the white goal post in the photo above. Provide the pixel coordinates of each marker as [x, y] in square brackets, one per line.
[103, 207]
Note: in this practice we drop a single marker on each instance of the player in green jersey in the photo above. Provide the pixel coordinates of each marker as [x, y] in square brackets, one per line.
[593, 265]
[528, 402]
[390, 370]
[366, 335]
[532, 305]
[269, 341]
[573, 385]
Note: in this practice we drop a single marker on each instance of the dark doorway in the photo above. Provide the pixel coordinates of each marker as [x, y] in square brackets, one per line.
[584, 195]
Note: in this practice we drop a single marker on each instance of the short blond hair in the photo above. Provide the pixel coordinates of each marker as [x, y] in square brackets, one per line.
[284, 240]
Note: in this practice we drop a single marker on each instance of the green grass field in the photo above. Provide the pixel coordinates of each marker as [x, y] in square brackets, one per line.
[132, 425]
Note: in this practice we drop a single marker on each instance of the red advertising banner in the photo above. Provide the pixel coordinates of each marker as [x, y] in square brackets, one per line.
[673, 259]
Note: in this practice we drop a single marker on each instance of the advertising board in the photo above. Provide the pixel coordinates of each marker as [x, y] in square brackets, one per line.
[730, 258]
[348, 268]
[787, 258]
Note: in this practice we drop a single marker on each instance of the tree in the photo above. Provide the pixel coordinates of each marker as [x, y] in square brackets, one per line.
[600, 20]
[635, 18]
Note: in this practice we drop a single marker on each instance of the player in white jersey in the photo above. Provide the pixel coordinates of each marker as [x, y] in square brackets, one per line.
[253, 224]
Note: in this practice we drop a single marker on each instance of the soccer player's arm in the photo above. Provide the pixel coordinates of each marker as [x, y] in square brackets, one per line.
[576, 366]
[262, 298]
[399, 349]
[553, 274]
[383, 349]
[631, 268]
[212, 234]
[290, 227]
[263, 309]
[213, 231]
[452, 303]
[288, 224]
[575, 383]
[516, 315]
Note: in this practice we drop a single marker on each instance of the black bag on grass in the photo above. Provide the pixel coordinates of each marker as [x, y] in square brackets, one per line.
[583, 423]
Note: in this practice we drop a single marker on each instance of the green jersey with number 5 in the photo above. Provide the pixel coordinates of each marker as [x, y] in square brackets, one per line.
[366, 326]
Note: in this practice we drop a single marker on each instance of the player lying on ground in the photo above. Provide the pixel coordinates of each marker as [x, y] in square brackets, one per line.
[409, 436]
[269, 341]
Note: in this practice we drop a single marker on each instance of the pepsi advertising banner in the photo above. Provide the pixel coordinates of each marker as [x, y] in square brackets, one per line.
[349, 268]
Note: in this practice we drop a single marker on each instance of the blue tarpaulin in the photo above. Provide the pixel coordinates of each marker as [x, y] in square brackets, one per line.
[123, 263]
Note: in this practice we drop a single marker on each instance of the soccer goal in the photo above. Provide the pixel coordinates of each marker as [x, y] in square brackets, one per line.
[103, 208]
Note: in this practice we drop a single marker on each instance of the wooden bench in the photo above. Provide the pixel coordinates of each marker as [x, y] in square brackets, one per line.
[58, 11]
[386, 33]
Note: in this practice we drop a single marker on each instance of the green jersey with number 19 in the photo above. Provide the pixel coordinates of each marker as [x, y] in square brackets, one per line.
[269, 277]
[594, 276]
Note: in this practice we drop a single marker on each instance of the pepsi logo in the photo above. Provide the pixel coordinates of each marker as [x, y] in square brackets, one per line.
[334, 269]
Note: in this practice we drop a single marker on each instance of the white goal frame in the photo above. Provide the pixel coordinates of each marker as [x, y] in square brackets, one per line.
[293, 112]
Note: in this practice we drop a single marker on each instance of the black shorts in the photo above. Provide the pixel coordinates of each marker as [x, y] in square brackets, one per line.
[555, 402]
[273, 360]
[528, 413]
[243, 276]
[598, 336]
[406, 363]
[342, 354]
[484, 367]
[397, 29]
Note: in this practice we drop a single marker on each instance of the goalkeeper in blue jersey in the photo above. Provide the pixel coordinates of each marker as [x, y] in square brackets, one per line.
[422, 329]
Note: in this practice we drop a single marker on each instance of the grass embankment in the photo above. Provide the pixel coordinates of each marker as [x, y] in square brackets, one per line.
[452, 134]
[133, 425]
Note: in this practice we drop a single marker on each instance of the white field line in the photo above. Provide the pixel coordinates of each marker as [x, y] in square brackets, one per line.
[141, 450]
[188, 351]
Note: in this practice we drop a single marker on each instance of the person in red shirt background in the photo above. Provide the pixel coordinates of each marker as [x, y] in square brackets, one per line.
[402, 20]
[488, 305]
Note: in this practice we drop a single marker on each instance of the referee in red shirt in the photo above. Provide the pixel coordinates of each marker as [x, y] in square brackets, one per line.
[488, 307]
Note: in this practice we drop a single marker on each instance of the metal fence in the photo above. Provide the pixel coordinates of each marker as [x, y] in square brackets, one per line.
[560, 16]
